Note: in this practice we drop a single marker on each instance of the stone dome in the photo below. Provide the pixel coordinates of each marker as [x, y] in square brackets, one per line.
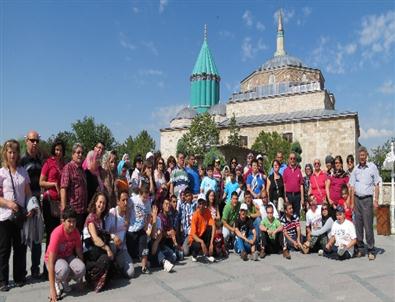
[185, 113]
[218, 109]
[281, 61]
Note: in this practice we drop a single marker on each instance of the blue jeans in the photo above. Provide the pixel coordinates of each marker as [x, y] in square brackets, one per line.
[166, 253]
[243, 246]
[257, 222]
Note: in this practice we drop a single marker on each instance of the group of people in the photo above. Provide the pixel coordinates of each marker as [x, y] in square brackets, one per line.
[100, 213]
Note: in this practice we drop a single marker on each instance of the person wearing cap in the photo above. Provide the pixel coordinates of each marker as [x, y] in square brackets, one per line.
[201, 236]
[342, 236]
[364, 182]
[245, 235]
[179, 179]
[229, 217]
[329, 163]
[149, 156]
[255, 181]
[293, 184]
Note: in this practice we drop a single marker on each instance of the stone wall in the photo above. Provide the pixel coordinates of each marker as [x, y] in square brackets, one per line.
[281, 104]
[168, 141]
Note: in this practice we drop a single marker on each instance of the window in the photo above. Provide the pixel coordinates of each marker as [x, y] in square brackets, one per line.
[272, 79]
[243, 141]
[304, 78]
[287, 136]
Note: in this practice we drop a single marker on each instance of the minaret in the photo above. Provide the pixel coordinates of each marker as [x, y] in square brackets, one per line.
[280, 36]
[204, 80]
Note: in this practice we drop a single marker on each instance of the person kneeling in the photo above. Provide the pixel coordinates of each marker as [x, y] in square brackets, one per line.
[245, 235]
[342, 236]
[271, 234]
[64, 259]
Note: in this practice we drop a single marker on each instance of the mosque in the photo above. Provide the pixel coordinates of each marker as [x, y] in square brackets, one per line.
[282, 95]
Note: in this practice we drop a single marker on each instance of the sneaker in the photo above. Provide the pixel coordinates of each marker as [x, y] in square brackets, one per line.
[255, 256]
[145, 271]
[371, 256]
[359, 254]
[244, 256]
[194, 259]
[66, 287]
[210, 259]
[341, 251]
[286, 254]
[58, 289]
[262, 254]
[320, 252]
[4, 287]
[168, 266]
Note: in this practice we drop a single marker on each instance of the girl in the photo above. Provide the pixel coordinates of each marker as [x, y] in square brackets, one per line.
[346, 202]
[213, 205]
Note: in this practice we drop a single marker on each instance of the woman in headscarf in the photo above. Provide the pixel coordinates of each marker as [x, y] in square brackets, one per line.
[94, 181]
[109, 176]
[121, 182]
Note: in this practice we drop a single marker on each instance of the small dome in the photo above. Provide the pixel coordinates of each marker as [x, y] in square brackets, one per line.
[281, 61]
[218, 109]
[185, 113]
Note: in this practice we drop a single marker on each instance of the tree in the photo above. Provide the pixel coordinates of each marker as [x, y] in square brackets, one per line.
[126, 147]
[142, 144]
[378, 155]
[202, 134]
[269, 143]
[234, 130]
[297, 148]
[213, 154]
[88, 133]
[181, 145]
[68, 138]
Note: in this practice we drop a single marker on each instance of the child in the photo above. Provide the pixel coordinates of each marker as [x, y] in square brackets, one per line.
[230, 187]
[219, 242]
[185, 212]
[346, 202]
[208, 182]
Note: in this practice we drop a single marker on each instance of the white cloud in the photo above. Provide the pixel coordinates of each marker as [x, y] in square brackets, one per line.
[162, 5]
[372, 132]
[307, 11]
[151, 72]
[350, 48]
[260, 26]
[248, 50]
[151, 47]
[125, 43]
[161, 116]
[248, 18]
[388, 87]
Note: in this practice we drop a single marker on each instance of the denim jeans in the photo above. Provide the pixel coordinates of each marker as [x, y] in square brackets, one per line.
[243, 246]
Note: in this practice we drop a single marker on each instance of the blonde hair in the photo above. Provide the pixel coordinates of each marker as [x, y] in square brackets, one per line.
[13, 145]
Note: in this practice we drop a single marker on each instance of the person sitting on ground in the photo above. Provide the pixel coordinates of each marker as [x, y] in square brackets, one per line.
[313, 222]
[272, 235]
[208, 182]
[291, 230]
[245, 235]
[253, 212]
[117, 223]
[229, 217]
[187, 208]
[342, 236]
[201, 237]
[63, 258]
[220, 250]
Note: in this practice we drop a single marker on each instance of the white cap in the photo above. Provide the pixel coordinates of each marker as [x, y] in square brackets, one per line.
[259, 156]
[243, 207]
[201, 196]
[149, 154]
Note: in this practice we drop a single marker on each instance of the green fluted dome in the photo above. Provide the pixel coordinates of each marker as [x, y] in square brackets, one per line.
[205, 62]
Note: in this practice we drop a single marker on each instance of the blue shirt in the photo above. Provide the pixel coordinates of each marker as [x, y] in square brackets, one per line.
[364, 179]
[256, 182]
[280, 170]
[139, 212]
[208, 184]
[185, 216]
[230, 187]
[194, 180]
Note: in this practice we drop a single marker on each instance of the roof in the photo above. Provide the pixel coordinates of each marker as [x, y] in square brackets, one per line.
[205, 62]
[218, 109]
[280, 61]
[315, 114]
[185, 113]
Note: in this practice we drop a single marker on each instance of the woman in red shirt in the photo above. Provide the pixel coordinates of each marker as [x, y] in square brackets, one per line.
[336, 182]
[318, 180]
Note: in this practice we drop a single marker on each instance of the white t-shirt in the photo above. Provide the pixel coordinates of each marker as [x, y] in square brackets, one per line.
[343, 233]
[262, 208]
[314, 219]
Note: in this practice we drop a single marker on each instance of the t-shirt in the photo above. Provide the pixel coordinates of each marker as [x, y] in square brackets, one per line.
[52, 170]
[293, 179]
[314, 219]
[62, 243]
[180, 180]
[208, 184]
[230, 213]
[244, 226]
[271, 226]
[185, 213]
[194, 180]
[117, 225]
[344, 233]
[347, 210]
[290, 226]
[230, 187]
[256, 182]
[139, 212]
[262, 208]
[199, 224]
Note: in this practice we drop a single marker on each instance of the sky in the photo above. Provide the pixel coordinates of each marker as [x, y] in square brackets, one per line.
[127, 63]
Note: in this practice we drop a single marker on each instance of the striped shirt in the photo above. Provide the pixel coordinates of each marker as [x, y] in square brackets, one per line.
[290, 225]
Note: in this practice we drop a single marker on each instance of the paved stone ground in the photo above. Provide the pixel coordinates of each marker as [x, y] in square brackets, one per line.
[304, 278]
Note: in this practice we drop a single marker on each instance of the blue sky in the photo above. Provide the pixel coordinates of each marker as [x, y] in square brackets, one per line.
[127, 63]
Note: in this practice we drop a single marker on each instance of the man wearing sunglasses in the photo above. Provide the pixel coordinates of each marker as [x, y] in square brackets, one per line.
[293, 184]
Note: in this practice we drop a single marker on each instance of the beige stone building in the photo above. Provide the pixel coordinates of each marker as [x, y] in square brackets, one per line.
[285, 96]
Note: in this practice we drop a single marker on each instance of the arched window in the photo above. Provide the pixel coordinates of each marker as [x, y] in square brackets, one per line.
[304, 78]
[272, 79]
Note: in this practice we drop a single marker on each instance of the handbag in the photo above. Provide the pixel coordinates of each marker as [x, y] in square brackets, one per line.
[54, 206]
[18, 217]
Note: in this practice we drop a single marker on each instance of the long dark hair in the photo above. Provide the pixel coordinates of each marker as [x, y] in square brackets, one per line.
[92, 204]
[207, 198]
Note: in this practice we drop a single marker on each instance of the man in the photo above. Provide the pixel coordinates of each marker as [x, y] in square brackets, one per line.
[201, 237]
[253, 212]
[364, 182]
[179, 180]
[229, 216]
[209, 182]
[186, 209]
[231, 186]
[261, 168]
[263, 203]
[73, 189]
[255, 181]
[293, 184]
[283, 166]
[193, 175]
[272, 235]
[245, 235]
[291, 230]
[342, 236]
[32, 162]
[314, 223]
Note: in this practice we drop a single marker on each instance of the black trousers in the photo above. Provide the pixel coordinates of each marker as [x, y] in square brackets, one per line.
[137, 243]
[50, 224]
[294, 199]
[196, 247]
[10, 237]
[272, 246]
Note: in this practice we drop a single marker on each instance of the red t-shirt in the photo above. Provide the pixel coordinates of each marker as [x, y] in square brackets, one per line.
[293, 179]
[336, 187]
[317, 185]
[52, 170]
[62, 243]
[347, 210]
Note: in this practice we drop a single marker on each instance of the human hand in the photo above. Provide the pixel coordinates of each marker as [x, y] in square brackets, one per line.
[13, 206]
[52, 294]
[375, 203]
[30, 213]
[117, 241]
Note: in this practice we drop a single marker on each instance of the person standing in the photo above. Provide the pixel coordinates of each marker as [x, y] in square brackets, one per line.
[318, 183]
[256, 182]
[336, 182]
[179, 180]
[32, 162]
[283, 166]
[193, 175]
[293, 184]
[350, 164]
[364, 182]
[275, 187]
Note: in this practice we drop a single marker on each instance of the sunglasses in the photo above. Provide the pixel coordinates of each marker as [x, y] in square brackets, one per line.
[33, 140]
[324, 209]
[234, 162]
[160, 163]
[292, 158]
[316, 164]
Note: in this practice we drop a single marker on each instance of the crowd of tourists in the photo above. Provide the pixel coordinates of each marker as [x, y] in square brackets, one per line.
[103, 213]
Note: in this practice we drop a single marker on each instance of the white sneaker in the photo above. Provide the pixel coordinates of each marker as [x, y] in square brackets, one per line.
[211, 259]
[168, 266]
[66, 287]
[320, 252]
[193, 259]
[255, 256]
[58, 288]
[341, 251]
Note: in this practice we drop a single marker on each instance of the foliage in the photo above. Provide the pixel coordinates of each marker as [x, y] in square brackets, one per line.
[141, 144]
[181, 145]
[269, 143]
[234, 132]
[202, 134]
[68, 138]
[378, 155]
[297, 148]
[211, 155]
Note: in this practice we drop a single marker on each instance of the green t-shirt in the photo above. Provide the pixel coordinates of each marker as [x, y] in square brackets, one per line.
[251, 209]
[271, 226]
[230, 214]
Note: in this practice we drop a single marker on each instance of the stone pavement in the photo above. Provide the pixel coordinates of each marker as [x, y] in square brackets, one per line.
[304, 278]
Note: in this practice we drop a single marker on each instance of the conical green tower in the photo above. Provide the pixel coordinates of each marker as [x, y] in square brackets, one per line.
[204, 80]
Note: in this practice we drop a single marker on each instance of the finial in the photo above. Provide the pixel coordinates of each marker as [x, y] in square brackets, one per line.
[205, 32]
[280, 51]
[280, 20]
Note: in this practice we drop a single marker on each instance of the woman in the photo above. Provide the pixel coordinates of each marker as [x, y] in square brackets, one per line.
[147, 178]
[159, 174]
[201, 172]
[117, 223]
[121, 182]
[97, 152]
[318, 181]
[136, 175]
[275, 187]
[308, 170]
[109, 176]
[171, 164]
[50, 182]
[213, 205]
[225, 175]
[94, 181]
[336, 181]
[14, 191]
[98, 254]
[233, 163]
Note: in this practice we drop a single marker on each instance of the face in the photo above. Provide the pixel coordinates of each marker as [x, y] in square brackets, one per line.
[202, 205]
[250, 158]
[99, 148]
[340, 217]
[210, 173]
[248, 199]
[139, 165]
[313, 201]
[32, 141]
[201, 171]
[307, 170]
[232, 177]
[234, 200]
[269, 213]
[328, 166]
[362, 157]
[211, 197]
[148, 170]
[276, 167]
[317, 165]
[350, 164]
[344, 195]
[124, 171]
[161, 165]
[292, 159]
[123, 202]
[58, 151]
[279, 157]
[12, 156]
[338, 164]
[188, 197]
[166, 206]
[233, 163]
[144, 197]
[191, 161]
[69, 225]
[289, 210]
[217, 164]
[254, 167]
[265, 200]
[112, 161]
[324, 211]
[174, 203]
[127, 159]
[243, 214]
[181, 160]
[100, 204]
[77, 155]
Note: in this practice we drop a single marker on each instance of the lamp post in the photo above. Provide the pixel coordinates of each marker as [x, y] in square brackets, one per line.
[389, 165]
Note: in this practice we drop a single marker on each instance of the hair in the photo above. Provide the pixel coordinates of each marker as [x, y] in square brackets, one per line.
[173, 196]
[247, 193]
[339, 158]
[162, 160]
[208, 194]
[137, 158]
[187, 191]
[234, 193]
[292, 152]
[171, 159]
[310, 197]
[269, 206]
[209, 168]
[350, 157]
[146, 164]
[58, 142]
[101, 142]
[69, 213]
[254, 161]
[119, 194]
[111, 154]
[15, 146]
[233, 172]
[287, 204]
[179, 153]
[144, 190]
[344, 189]
[276, 161]
[76, 146]
[232, 159]
[362, 149]
[218, 225]
[92, 204]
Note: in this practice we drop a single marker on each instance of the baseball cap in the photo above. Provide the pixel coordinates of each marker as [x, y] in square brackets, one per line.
[259, 156]
[149, 154]
[243, 207]
[339, 209]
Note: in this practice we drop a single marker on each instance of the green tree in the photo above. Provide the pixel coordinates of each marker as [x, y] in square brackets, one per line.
[68, 138]
[269, 143]
[142, 144]
[234, 132]
[297, 148]
[212, 154]
[378, 155]
[202, 134]
[126, 147]
[181, 145]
